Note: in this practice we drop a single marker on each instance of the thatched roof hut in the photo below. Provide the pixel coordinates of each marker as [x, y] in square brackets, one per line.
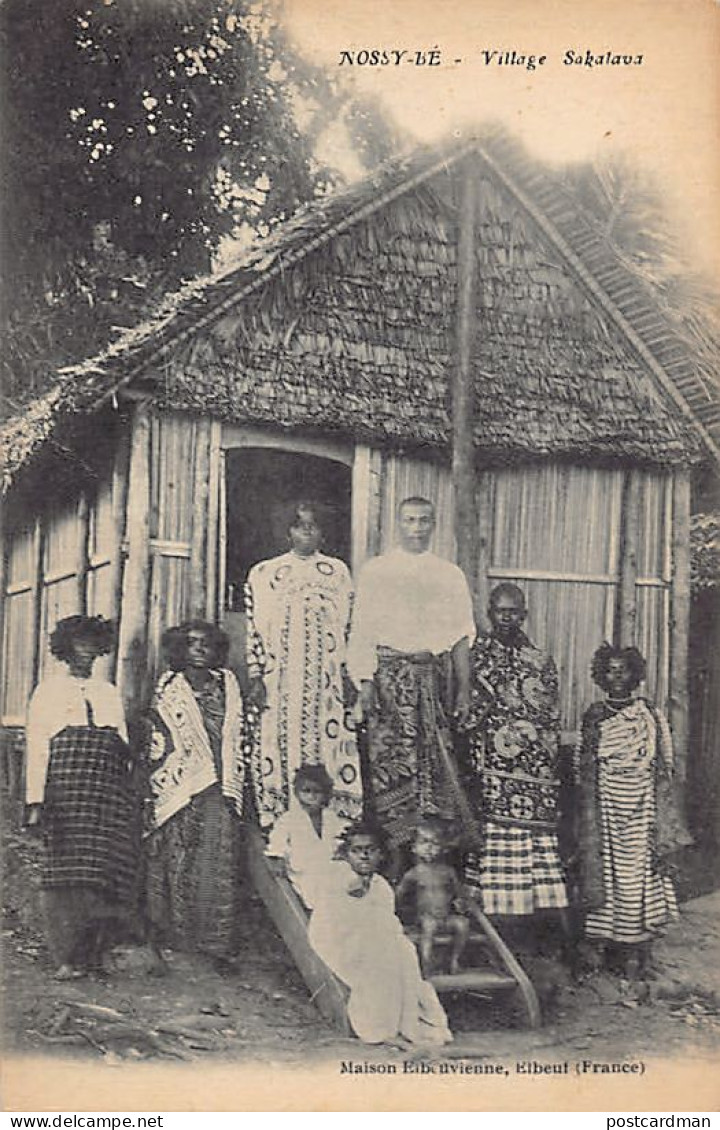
[455, 307]
[356, 294]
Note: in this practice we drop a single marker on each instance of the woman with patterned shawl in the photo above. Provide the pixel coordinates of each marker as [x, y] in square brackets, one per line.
[628, 823]
[298, 614]
[81, 794]
[198, 762]
[514, 743]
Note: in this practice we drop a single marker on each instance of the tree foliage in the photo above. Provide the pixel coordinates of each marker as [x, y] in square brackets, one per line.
[622, 204]
[137, 135]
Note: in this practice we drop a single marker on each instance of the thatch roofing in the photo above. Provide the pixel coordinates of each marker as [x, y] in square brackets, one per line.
[342, 320]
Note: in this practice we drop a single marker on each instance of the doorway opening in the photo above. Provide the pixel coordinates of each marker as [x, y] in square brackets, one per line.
[263, 485]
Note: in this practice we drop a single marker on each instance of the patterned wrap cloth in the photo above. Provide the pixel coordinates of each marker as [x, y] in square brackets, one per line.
[406, 775]
[199, 762]
[298, 613]
[514, 746]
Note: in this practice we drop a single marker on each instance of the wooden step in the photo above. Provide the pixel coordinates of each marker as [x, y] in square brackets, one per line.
[479, 980]
[447, 939]
[329, 993]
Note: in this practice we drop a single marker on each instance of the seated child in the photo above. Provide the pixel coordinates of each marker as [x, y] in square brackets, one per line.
[304, 840]
[438, 893]
[356, 932]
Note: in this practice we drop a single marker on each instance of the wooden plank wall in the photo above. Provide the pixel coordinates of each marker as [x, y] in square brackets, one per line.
[680, 620]
[132, 649]
[172, 534]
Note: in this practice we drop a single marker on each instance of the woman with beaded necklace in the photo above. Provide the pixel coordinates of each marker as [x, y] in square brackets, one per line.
[627, 821]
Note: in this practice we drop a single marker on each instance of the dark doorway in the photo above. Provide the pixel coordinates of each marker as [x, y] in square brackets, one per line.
[263, 486]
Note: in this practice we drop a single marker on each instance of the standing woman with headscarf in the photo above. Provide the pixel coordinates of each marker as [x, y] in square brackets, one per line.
[197, 764]
[80, 792]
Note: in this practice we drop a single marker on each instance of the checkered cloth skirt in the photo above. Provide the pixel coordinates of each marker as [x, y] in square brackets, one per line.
[89, 813]
[518, 872]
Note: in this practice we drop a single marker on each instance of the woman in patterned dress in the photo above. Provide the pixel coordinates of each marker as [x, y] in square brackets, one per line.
[198, 763]
[628, 823]
[298, 614]
[515, 732]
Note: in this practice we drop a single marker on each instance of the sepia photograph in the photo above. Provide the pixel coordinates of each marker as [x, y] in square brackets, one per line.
[360, 571]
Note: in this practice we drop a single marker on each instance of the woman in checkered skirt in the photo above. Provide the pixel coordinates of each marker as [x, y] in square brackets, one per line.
[514, 736]
[628, 822]
[80, 793]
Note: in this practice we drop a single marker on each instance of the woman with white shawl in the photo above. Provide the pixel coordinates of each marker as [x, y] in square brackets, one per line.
[197, 762]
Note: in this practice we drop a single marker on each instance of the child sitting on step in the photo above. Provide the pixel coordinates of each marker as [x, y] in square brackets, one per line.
[304, 840]
[438, 895]
[356, 932]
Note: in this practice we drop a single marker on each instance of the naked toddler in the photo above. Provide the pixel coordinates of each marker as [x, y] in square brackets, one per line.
[438, 892]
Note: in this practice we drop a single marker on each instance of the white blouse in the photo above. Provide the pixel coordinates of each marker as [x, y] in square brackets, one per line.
[307, 856]
[59, 701]
[411, 602]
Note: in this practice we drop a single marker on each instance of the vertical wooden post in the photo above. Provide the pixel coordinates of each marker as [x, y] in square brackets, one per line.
[10, 781]
[213, 605]
[199, 532]
[627, 604]
[378, 464]
[40, 644]
[484, 563]
[222, 600]
[132, 643]
[463, 391]
[4, 551]
[680, 620]
[366, 499]
[120, 483]
[360, 506]
[83, 559]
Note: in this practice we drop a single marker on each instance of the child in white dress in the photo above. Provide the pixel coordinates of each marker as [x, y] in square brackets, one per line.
[304, 840]
[356, 932]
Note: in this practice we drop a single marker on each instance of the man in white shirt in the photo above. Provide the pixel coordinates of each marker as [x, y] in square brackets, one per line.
[408, 655]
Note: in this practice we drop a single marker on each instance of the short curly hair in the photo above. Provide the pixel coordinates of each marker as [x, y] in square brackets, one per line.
[92, 629]
[443, 830]
[507, 588]
[175, 643]
[607, 651]
[314, 775]
[363, 827]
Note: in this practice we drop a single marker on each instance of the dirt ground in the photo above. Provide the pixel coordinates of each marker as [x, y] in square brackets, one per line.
[260, 1009]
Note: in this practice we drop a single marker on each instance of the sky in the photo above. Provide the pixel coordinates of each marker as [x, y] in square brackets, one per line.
[663, 113]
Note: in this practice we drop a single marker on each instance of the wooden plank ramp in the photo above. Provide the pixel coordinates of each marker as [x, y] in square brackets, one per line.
[497, 969]
[291, 921]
